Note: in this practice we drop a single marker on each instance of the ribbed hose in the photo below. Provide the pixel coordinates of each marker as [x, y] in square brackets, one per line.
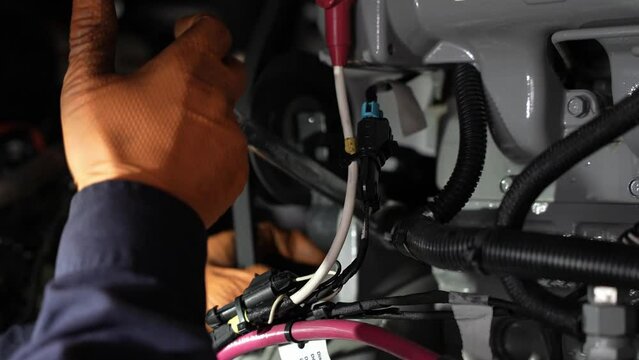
[544, 170]
[473, 117]
[563, 155]
[542, 305]
[523, 254]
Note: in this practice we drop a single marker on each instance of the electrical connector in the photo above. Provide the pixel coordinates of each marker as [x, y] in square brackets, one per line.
[370, 109]
[222, 336]
[323, 310]
[261, 293]
[374, 146]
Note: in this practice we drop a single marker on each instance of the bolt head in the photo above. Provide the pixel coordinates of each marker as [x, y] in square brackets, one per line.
[634, 187]
[505, 184]
[578, 106]
[602, 351]
[608, 320]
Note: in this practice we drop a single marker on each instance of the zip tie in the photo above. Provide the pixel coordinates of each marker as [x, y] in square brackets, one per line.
[239, 323]
[288, 334]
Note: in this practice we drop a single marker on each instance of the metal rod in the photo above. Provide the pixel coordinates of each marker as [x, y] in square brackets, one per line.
[298, 166]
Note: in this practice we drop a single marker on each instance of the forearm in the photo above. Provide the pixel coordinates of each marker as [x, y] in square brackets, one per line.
[129, 279]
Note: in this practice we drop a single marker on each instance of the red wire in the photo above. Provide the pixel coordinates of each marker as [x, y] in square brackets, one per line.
[329, 330]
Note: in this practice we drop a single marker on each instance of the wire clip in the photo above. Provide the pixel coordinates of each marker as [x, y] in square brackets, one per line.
[288, 334]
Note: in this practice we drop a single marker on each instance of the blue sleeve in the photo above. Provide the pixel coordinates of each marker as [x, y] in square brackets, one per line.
[14, 338]
[129, 280]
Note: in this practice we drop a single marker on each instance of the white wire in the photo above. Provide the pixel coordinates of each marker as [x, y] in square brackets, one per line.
[330, 297]
[276, 304]
[349, 201]
[279, 299]
[342, 102]
[307, 277]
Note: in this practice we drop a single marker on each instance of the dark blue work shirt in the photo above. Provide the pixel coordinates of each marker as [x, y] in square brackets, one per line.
[129, 280]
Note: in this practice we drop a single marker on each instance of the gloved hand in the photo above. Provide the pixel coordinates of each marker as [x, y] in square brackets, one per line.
[170, 125]
[224, 282]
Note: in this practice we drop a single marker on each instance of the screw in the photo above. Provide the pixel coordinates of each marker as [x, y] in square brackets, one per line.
[634, 187]
[505, 184]
[578, 106]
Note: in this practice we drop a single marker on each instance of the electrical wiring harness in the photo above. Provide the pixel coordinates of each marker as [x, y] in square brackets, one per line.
[351, 193]
[282, 297]
[328, 321]
[279, 296]
[248, 323]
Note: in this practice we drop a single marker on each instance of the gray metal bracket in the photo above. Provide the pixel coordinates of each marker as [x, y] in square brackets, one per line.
[622, 46]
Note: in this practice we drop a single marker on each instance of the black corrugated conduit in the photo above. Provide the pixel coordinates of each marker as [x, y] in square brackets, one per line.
[473, 119]
[516, 254]
[522, 254]
[539, 174]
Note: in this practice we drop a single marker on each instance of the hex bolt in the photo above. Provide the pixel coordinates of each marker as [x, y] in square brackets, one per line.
[634, 187]
[578, 106]
[505, 184]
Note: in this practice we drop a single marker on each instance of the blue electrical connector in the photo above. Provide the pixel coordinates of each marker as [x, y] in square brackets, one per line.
[370, 109]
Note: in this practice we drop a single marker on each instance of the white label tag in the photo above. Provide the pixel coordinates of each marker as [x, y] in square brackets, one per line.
[313, 350]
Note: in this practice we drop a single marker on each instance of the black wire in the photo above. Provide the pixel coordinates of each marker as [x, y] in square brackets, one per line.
[334, 278]
[356, 265]
[338, 282]
[388, 305]
[329, 282]
[371, 94]
[371, 91]
[360, 307]
[506, 305]
[407, 315]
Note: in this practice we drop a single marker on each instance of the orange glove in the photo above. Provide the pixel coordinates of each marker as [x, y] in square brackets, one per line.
[292, 245]
[170, 125]
[224, 282]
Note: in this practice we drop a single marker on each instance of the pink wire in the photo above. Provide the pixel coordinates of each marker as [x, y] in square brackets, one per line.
[329, 329]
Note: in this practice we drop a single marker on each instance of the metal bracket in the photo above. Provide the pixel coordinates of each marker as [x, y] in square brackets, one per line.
[622, 46]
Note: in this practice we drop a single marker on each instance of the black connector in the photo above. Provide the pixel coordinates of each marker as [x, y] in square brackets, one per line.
[222, 336]
[288, 310]
[261, 293]
[374, 146]
[323, 310]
